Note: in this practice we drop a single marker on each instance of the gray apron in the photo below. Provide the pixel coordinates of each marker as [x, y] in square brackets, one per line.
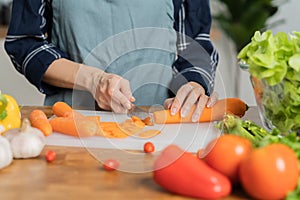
[132, 38]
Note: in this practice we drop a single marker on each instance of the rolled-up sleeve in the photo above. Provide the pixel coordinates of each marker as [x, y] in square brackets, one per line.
[197, 58]
[28, 41]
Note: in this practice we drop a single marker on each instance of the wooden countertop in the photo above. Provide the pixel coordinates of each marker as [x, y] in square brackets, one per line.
[3, 31]
[77, 175]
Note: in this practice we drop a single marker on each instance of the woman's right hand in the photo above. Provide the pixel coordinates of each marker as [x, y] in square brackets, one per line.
[112, 92]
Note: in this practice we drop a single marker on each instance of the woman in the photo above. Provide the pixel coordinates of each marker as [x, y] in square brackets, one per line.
[116, 53]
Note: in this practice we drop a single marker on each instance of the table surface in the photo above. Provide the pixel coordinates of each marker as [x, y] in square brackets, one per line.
[75, 174]
[3, 31]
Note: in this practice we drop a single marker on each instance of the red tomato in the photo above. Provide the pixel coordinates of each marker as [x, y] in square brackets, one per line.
[269, 172]
[225, 154]
[110, 165]
[149, 147]
[50, 156]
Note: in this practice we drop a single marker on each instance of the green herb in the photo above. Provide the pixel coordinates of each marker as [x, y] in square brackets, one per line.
[274, 60]
[294, 195]
[258, 135]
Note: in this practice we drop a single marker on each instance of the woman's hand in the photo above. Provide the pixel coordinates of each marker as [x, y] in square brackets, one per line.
[113, 92]
[110, 91]
[188, 95]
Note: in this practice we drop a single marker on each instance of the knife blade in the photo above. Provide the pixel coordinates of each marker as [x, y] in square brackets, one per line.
[142, 113]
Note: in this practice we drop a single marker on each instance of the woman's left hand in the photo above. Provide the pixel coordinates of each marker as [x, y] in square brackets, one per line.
[189, 94]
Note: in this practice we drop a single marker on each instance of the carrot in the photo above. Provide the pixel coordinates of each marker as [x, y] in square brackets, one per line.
[61, 108]
[138, 121]
[82, 127]
[223, 106]
[72, 114]
[112, 130]
[147, 121]
[39, 120]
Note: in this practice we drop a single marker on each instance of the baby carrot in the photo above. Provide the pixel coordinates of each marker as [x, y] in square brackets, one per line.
[39, 120]
[223, 106]
[73, 114]
[61, 108]
[82, 127]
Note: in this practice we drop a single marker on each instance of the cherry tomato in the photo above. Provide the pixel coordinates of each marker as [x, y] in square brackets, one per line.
[110, 165]
[269, 172]
[149, 147]
[50, 156]
[225, 154]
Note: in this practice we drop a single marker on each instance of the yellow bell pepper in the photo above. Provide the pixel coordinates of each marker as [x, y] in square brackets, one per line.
[10, 115]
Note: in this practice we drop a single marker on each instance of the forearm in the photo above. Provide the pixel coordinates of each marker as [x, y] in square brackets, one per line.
[197, 58]
[68, 74]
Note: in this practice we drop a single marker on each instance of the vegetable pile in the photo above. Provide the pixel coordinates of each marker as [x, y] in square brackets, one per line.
[264, 163]
[70, 122]
[274, 156]
[274, 62]
[18, 139]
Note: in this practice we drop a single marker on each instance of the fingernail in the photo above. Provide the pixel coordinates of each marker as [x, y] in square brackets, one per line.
[173, 111]
[128, 105]
[132, 99]
[209, 104]
[184, 112]
[195, 118]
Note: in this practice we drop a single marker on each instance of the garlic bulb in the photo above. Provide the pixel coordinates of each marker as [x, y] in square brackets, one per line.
[5, 153]
[27, 141]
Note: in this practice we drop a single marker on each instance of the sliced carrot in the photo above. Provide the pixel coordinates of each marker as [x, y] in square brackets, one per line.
[149, 133]
[61, 108]
[147, 121]
[76, 127]
[223, 106]
[39, 120]
[112, 130]
[138, 121]
[130, 127]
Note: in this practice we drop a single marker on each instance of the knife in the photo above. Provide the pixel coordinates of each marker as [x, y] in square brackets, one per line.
[139, 112]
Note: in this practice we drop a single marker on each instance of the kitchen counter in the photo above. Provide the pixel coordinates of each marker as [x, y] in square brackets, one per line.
[3, 31]
[77, 175]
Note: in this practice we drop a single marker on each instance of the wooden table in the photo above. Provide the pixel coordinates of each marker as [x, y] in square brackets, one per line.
[76, 175]
[3, 31]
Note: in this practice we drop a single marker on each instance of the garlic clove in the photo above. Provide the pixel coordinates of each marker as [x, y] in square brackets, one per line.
[27, 145]
[6, 156]
[27, 141]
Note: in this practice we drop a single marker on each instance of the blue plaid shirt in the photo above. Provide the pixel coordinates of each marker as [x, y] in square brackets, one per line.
[28, 43]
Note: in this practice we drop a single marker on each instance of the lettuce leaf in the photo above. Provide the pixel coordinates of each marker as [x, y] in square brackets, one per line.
[274, 59]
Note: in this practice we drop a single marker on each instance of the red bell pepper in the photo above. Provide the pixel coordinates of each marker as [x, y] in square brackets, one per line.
[183, 173]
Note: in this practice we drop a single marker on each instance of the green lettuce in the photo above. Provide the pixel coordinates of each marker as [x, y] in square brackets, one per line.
[274, 60]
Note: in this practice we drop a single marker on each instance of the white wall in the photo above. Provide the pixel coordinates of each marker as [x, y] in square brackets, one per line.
[12, 83]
